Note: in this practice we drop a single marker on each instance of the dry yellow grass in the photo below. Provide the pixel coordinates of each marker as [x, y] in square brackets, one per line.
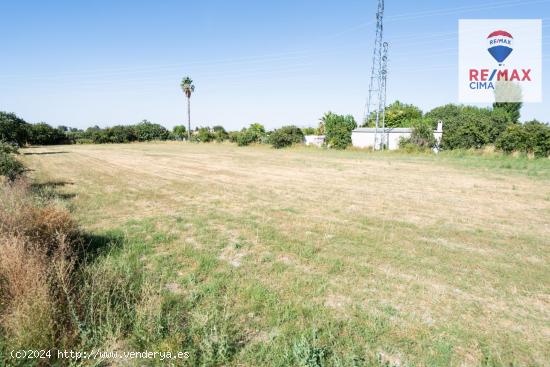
[36, 262]
[444, 251]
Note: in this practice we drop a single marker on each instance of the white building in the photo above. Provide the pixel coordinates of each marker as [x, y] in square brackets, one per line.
[317, 140]
[364, 137]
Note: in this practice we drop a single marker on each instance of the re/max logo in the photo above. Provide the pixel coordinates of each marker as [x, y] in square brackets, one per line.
[500, 41]
[486, 75]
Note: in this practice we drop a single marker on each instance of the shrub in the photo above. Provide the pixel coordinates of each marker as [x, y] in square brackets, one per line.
[538, 138]
[203, 135]
[512, 109]
[10, 167]
[219, 133]
[513, 139]
[179, 132]
[253, 134]
[44, 134]
[13, 129]
[338, 130]
[531, 138]
[468, 127]
[246, 137]
[422, 137]
[257, 129]
[233, 136]
[8, 148]
[120, 134]
[147, 131]
[398, 114]
[286, 136]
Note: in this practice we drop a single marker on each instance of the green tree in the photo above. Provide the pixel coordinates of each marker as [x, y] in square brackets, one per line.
[322, 122]
[180, 132]
[422, 136]
[257, 129]
[253, 134]
[538, 138]
[188, 89]
[513, 109]
[338, 130]
[398, 114]
[147, 131]
[121, 134]
[468, 127]
[10, 167]
[44, 134]
[13, 129]
[533, 137]
[8, 148]
[286, 136]
[514, 138]
[204, 135]
[219, 133]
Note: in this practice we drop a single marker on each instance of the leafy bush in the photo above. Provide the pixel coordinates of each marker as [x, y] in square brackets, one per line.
[203, 135]
[253, 134]
[13, 129]
[10, 167]
[514, 138]
[468, 127]
[512, 109]
[147, 131]
[8, 148]
[233, 136]
[44, 134]
[97, 136]
[219, 133]
[286, 136]
[144, 131]
[246, 137]
[422, 137]
[179, 132]
[531, 138]
[338, 130]
[398, 114]
[257, 129]
[120, 134]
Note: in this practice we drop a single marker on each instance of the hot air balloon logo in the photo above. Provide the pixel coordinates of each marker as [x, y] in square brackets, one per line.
[500, 45]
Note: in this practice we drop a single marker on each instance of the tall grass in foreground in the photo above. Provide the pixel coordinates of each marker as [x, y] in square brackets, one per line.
[61, 289]
[37, 258]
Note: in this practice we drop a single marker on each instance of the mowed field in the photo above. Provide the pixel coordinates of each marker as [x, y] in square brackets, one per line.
[356, 257]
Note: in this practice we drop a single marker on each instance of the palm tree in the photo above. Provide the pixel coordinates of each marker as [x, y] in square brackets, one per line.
[188, 88]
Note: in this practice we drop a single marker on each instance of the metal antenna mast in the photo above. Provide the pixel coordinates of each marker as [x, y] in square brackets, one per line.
[375, 87]
[382, 94]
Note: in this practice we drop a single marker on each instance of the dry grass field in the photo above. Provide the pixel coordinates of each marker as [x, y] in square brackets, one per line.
[316, 257]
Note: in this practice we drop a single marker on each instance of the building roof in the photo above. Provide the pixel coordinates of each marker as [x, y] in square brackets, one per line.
[387, 130]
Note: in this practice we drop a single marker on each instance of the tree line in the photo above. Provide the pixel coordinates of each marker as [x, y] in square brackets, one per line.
[464, 127]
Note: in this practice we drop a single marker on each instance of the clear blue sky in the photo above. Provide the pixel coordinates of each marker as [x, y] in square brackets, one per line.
[278, 62]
